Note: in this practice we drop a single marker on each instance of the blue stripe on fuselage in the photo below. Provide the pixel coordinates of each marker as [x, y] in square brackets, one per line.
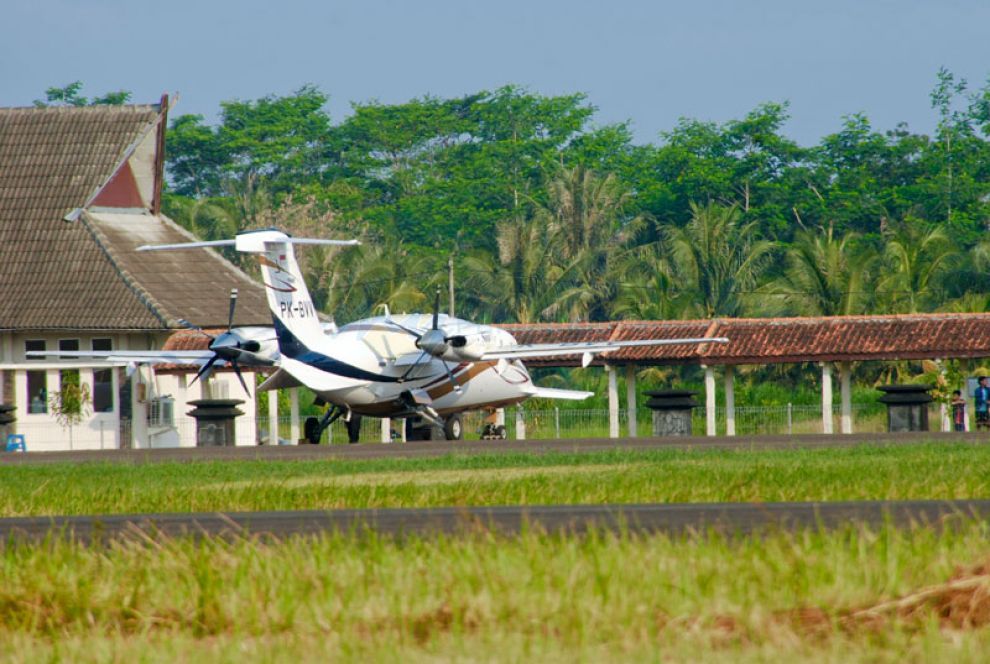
[290, 346]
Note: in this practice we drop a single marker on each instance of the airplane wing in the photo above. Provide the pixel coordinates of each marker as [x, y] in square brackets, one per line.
[554, 393]
[587, 349]
[130, 356]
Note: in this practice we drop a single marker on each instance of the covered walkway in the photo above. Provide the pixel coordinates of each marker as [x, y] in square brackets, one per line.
[833, 343]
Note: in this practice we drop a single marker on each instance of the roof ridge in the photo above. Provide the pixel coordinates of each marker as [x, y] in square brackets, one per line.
[142, 295]
[227, 265]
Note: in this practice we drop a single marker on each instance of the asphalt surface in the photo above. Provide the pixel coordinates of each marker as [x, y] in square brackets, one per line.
[728, 518]
[422, 449]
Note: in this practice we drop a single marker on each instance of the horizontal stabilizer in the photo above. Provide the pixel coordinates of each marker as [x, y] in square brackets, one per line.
[280, 380]
[553, 393]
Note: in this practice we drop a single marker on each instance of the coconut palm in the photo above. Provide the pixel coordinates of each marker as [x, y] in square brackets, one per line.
[917, 256]
[826, 275]
[718, 257]
[522, 282]
[585, 216]
[648, 290]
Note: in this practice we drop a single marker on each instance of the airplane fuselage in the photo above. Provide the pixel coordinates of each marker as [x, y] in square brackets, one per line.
[378, 362]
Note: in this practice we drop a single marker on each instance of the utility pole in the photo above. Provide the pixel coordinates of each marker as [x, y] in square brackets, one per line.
[450, 282]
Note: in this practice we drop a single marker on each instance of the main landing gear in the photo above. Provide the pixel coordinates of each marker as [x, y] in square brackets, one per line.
[313, 428]
[419, 428]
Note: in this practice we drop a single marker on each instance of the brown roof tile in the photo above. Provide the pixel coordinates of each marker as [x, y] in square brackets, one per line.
[56, 274]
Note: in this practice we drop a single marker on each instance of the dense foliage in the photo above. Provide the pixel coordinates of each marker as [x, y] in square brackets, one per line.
[549, 216]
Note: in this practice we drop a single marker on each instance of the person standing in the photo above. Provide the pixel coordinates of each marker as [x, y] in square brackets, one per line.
[982, 397]
[958, 411]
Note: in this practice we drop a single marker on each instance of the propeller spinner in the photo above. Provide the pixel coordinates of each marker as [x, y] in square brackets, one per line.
[432, 342]
[226, 346]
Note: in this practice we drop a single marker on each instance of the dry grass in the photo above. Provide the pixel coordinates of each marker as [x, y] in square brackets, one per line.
[851, 595]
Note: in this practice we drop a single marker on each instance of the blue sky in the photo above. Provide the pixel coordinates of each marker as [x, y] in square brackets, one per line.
[646, 62]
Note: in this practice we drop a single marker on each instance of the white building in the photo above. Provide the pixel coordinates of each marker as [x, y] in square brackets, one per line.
[80, 190]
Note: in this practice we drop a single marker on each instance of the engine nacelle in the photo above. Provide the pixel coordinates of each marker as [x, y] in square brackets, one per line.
[460, 350]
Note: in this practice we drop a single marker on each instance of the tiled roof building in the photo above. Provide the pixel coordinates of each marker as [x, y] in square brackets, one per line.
[79, 191]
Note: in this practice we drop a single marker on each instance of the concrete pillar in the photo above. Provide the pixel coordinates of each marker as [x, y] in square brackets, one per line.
[139, 411]
[294, 415]
[845, 389]
[631, 399]
[273, 417]
[964, 389]
[613, 402]
[386, 430]
[709, 401]
[520, 423]
[730, 400]
[826, 397]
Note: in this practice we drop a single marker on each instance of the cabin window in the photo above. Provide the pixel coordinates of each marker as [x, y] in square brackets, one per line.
[34, 344]
[37, 392]
[102, 344]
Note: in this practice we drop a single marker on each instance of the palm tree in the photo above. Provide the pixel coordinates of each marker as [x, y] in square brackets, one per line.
[648, 290]
[825, 275]
[356, 282]
[917, 257]
[521, 283]
[585, 216]
[718, 257]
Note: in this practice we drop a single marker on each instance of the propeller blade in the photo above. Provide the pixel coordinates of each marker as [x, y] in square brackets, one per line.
[436, 311]
[240, 377]
[233, 305]
[195, 328]
[415, 364]
[205, 371]
[405, 329]
[450, 375]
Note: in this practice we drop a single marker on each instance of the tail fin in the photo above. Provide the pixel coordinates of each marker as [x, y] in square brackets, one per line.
[288, 298]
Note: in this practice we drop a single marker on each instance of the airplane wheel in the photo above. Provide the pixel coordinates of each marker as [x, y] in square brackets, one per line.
[311, 430]
[354, 429]
[453, 428]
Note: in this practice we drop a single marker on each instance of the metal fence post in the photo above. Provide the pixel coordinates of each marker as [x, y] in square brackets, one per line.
[790, 418]
[556, 420]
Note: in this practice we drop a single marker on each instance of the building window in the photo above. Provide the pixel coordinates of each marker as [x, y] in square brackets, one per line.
[37, 391]
[102, 344]
[67, 345]
[102, 390]
[34, 344]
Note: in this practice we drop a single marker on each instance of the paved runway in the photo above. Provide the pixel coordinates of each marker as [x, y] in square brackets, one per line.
[652, 518]
[440, 448]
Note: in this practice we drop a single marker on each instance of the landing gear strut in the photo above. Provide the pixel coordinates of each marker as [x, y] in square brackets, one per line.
[313, 428]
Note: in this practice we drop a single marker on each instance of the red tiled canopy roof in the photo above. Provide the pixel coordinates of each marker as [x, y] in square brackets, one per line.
[777, 340]
[752, 340]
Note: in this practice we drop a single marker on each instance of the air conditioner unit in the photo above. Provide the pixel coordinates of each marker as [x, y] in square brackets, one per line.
[161, 413]
[215, 390]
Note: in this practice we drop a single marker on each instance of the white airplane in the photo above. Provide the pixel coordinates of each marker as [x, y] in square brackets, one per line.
[427, 369]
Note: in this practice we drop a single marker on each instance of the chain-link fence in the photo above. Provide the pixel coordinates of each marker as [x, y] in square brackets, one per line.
[520, 422]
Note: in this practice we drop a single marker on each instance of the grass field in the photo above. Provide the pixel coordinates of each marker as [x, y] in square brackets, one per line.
[780, 597]
[884, 595]
[936, 471]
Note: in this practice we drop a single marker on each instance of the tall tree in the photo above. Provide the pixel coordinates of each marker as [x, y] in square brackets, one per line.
[826, 274]
[917, 256]
[719, 257]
